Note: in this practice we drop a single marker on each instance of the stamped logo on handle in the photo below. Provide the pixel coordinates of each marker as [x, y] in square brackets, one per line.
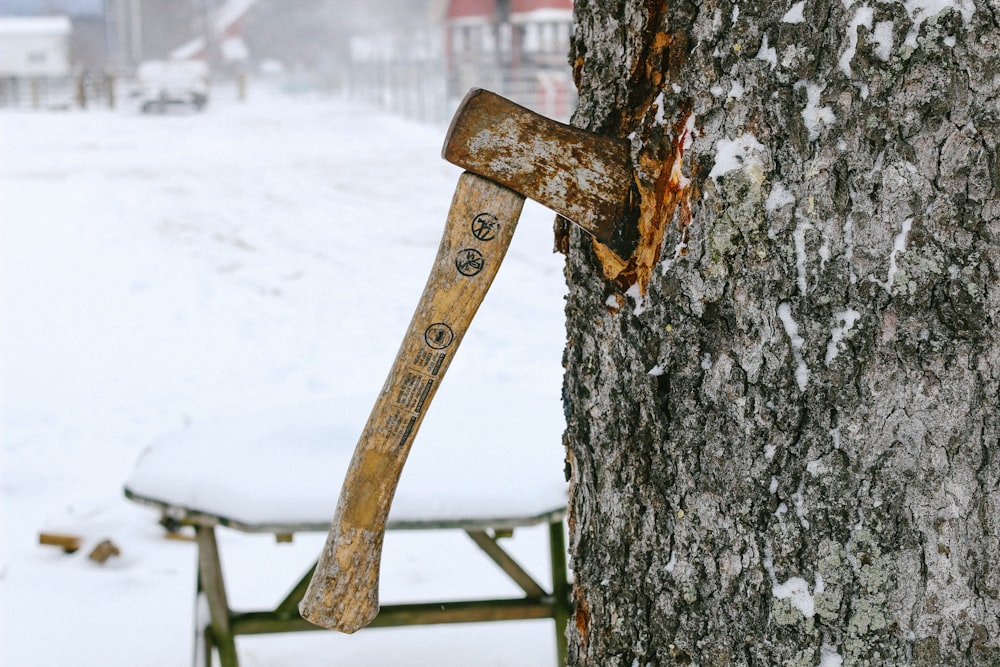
[485, 226]
[469, 262]
[439, 335]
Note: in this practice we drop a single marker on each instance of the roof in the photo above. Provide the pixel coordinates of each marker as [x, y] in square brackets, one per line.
[230, 12]
[226, 17]
[459, 9]
[525, 6]
[35, 25]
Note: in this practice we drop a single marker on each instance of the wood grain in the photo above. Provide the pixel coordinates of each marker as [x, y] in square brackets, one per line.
[343, 593]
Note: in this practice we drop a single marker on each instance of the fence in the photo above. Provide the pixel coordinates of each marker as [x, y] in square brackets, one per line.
[412, 78]
[413, 89]
[424, 91]
[79, 90]
[89, 90]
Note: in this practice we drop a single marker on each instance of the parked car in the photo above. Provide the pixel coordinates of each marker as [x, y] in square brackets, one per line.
[167, 83]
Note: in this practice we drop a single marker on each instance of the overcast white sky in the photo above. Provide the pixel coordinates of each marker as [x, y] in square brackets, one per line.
[48, 6]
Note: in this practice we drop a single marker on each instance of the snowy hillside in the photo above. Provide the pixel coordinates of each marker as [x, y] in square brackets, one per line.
[155, 271]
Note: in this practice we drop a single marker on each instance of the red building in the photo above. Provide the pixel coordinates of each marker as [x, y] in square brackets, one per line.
[516, 47]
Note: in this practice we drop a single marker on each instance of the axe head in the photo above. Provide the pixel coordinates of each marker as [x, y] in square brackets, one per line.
[585, 177]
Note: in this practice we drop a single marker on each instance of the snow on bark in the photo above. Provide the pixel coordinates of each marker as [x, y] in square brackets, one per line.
[814, 116]
[792, 330]
[843, 322]
[898, 247]
[794, 441]
[795, 14]
[733, 154]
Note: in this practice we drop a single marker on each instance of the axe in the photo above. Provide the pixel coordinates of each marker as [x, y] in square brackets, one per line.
[510, 153]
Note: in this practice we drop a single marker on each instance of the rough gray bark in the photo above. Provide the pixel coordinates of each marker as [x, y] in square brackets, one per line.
[783, 433]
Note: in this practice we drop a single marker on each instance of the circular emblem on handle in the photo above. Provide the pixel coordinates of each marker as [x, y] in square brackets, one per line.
[485, 226]
[469, 262]
[439, 335]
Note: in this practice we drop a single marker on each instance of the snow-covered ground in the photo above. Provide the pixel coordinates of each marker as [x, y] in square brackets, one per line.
[158, 270]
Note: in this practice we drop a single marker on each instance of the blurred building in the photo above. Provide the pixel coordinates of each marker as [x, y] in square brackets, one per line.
[34, 47]
[302, 35]
[35, 60]
[140, 30]
[515, 47]
[415, 57]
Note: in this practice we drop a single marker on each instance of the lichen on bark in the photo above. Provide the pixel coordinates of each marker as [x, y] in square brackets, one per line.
[784, 446]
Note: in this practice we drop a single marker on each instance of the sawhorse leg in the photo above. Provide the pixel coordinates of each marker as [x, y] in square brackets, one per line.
[560, 595]
[560, 587]
[211, 586]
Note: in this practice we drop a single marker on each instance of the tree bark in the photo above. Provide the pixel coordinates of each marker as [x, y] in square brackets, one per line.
[782, 410]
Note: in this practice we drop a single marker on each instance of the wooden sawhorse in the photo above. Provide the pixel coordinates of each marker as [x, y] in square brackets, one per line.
[269, 472]
[219, 630]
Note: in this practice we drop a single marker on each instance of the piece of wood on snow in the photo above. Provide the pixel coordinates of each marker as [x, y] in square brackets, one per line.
[103, 551]
[68, 543]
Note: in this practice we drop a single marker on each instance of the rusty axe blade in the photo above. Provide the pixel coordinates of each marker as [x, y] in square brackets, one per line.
[512, 153]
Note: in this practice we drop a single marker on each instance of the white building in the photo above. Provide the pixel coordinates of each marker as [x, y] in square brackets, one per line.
[33, 47]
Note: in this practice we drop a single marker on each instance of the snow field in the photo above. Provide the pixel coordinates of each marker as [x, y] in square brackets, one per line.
[155, 271]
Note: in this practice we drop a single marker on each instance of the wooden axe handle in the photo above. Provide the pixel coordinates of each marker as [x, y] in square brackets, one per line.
[343, 592]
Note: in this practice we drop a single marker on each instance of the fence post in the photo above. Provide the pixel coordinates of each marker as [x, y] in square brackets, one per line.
[81, 90]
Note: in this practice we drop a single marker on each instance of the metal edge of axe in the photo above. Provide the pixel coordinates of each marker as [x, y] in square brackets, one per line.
[509, 153]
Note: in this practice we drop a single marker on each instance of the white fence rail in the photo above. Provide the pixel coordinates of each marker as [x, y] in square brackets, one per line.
[424, 90]
[64, 92]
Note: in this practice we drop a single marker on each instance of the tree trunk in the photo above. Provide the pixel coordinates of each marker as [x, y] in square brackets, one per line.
[783, 429]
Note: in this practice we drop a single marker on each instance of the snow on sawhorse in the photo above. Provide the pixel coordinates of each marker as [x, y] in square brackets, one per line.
[278, 471]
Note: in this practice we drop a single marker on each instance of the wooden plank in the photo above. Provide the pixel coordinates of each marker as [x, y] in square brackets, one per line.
[477, 611]
[103, 551]
[68, 543]
[561, 591]
[290, 605]
[430, 613]
[506, 563]
[211, 583]
[190, 516]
